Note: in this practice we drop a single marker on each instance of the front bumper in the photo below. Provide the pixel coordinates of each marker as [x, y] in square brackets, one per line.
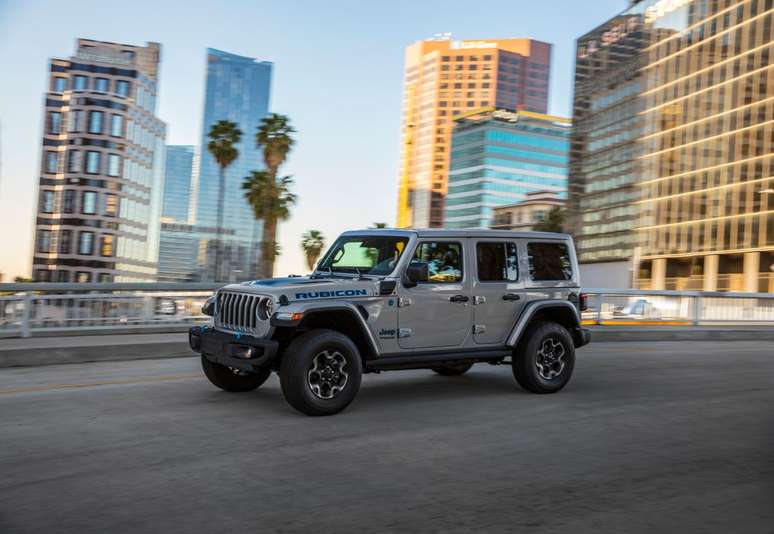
[239, 351]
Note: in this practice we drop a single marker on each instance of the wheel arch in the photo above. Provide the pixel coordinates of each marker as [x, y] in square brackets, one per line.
[556, 311]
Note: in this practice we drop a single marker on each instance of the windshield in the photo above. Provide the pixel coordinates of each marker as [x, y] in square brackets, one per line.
[375, 255]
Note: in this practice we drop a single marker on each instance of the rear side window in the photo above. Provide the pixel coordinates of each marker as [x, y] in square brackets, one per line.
[497, 262]
[549, 261]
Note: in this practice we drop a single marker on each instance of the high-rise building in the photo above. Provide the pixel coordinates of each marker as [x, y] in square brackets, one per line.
[101, 168]
[443, 79]
[499, 157]
[673, 144]
[178, 247]
[237, 90]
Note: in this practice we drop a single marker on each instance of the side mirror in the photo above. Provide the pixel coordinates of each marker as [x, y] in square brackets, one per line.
[416, 272]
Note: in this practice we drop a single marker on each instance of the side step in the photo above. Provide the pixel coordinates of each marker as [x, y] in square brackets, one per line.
[425, 360]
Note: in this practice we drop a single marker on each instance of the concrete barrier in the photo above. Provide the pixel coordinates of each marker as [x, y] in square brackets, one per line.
[78, 349]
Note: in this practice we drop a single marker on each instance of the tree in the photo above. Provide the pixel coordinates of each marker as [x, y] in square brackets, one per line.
[271, 200]
[223, 136]
[379, 225]
[312, 243]
[554, 222]
[274, 136]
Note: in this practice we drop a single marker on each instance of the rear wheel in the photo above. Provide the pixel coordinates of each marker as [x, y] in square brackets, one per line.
[320, 372]
[233, 380]
[545, 358]
[453, 369]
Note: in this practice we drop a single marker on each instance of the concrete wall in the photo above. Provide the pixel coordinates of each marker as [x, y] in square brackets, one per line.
[612, 275]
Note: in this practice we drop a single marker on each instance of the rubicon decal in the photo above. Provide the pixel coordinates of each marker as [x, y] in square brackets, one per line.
[328, 294]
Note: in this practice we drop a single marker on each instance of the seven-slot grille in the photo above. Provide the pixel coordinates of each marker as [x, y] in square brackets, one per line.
[239, 312]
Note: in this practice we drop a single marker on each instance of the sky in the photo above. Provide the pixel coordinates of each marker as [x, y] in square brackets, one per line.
[338, 74]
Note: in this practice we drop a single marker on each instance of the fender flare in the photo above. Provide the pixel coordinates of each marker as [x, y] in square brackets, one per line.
[530, 310]
[311, 308]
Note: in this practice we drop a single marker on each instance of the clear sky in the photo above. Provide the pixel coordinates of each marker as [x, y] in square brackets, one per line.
[338, 74]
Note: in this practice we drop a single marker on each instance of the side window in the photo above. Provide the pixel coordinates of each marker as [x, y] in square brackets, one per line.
[549, 261]
[444, 261]
[497, 262]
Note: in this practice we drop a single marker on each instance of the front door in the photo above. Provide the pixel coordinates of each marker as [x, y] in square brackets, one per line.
[437, 313]
[498, 290]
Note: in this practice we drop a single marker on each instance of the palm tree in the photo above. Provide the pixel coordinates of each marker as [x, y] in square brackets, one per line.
[312, 243]
[379, 225]
[274, 136]
[271, 201]
[223, 136]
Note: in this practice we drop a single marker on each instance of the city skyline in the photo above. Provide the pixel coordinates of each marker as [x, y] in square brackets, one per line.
[372, 105]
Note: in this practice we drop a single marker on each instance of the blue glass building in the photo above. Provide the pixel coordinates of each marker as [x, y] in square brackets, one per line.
[178, 247]
[498, 157]
[177, 182]
[237, 90]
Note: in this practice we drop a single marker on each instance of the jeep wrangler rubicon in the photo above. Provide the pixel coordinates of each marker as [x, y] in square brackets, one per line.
[400, 299]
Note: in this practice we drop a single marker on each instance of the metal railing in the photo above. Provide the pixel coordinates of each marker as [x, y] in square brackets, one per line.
[612, 307]
[50, 309]
[57, 309]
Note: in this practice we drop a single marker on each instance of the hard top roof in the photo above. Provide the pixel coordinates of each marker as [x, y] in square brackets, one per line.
[448, 232]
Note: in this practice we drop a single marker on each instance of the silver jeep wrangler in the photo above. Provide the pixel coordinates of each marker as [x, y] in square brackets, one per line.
[401, 299]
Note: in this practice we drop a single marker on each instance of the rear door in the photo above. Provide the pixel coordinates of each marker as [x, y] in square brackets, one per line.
[498, 290]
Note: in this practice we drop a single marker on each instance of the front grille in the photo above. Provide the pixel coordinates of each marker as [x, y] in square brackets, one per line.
[239, 312]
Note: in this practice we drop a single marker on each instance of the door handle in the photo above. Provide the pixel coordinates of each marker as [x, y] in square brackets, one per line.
[459, 298]
[511, 296]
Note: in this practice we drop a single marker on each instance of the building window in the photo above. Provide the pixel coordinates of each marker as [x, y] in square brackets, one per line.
[82, 277]
[54, 122]
[74, 161]
[62, 275]
[95, 122]
[92, 162]
[79, 83]
[116, 125]
[47, 201]
[122, 88]
[106, 246]
[68, 201]
[65, 241]
[44, 241]
[86, 243]
[60, 84]
[89, 203]
[114, 165]
[104, 278]
[76, 121]
[111, 205]
[52, 161]
[101, 85]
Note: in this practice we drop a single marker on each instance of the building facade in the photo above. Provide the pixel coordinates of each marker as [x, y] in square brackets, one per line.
[690, 147]
[178, 246]
[498, 157]
[524, 215]
[443, 79]
[102, 162]
[237, 90]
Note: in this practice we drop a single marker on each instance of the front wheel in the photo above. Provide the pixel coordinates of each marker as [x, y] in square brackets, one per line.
[320, 372]
[233, 380]
[545, 358]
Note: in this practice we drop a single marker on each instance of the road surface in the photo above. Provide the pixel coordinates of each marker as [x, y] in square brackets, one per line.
[657, 437]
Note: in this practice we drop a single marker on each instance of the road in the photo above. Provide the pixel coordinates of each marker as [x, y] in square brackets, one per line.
[663, 437]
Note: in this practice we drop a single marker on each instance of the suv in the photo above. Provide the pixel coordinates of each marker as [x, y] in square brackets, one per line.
[401, 299]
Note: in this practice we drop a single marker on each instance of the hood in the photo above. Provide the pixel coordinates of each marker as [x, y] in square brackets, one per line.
[306, 288]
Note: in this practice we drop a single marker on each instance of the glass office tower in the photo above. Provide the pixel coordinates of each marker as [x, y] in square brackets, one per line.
[498, 157]
[178, 248]
[101, 169]
[237, 90]
[673, 151]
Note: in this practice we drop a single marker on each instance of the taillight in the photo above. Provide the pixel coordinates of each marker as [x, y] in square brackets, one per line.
[583, 301]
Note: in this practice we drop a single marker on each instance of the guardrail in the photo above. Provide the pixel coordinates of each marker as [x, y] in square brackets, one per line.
[50, 309]
[632, 307]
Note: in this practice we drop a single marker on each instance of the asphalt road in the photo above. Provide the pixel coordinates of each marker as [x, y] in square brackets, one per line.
[663, 437]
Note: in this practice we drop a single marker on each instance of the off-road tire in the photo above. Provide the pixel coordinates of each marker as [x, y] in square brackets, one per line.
[227, 380]
[301, 360]
[453, 369]
[528, 354]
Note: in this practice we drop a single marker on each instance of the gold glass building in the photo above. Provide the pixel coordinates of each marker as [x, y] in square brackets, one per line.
[700, 161]
[444, 78]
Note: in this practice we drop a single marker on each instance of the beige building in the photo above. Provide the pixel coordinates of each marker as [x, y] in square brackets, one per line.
[524, 215]
[443, 79]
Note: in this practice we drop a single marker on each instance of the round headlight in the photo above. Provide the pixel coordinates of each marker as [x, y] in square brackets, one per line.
[265, 308]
